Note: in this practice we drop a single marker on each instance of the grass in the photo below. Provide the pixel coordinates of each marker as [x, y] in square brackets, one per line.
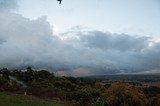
[7, 99]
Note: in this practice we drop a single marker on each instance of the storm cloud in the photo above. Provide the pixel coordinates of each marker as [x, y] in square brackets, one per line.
[25, 42]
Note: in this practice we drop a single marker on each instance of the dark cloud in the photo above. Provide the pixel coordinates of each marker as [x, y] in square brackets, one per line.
[25, 42]
[120, 42]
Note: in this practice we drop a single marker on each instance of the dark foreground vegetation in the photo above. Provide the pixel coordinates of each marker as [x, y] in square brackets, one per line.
[10, 99]
[73, 91]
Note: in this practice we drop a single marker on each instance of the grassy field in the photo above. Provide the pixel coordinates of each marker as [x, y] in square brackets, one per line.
[7, 99]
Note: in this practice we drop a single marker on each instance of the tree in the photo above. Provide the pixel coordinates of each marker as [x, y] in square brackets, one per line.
[43, 74]
[28, 75]
[154, 101]
[86, 95]
[29, 69]
[41, 88]
[120, 94]
[5, 73]
[4, 84]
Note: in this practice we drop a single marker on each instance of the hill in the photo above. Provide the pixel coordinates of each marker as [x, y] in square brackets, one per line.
[8, 99]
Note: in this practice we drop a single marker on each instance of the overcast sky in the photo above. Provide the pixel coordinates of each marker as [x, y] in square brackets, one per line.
[81, 37]
[118, 16]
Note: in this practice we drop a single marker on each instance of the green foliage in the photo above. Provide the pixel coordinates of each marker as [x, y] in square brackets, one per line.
[100, 86]
[4, 83]
[40, 84]
[43, 74]
[5, 73]
[15, 87]
[41, 88]
[154, 101]
[65, 85]
[31, 74]
[86, 95]
[151, 91]
[98, 102]
[81, 91]
[107, 85]
[120, 94]
[7, 99]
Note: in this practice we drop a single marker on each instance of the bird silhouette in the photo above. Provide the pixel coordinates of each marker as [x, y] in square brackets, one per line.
[59, 1]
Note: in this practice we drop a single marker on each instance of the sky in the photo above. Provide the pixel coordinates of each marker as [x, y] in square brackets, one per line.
[81, 37]
[118, 16]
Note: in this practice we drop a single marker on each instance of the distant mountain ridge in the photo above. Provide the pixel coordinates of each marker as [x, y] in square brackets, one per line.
[131, 77]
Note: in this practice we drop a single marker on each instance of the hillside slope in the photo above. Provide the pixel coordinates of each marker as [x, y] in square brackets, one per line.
[7, 99]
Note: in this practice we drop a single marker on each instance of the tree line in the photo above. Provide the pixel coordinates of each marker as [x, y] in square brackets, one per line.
[77, 91]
